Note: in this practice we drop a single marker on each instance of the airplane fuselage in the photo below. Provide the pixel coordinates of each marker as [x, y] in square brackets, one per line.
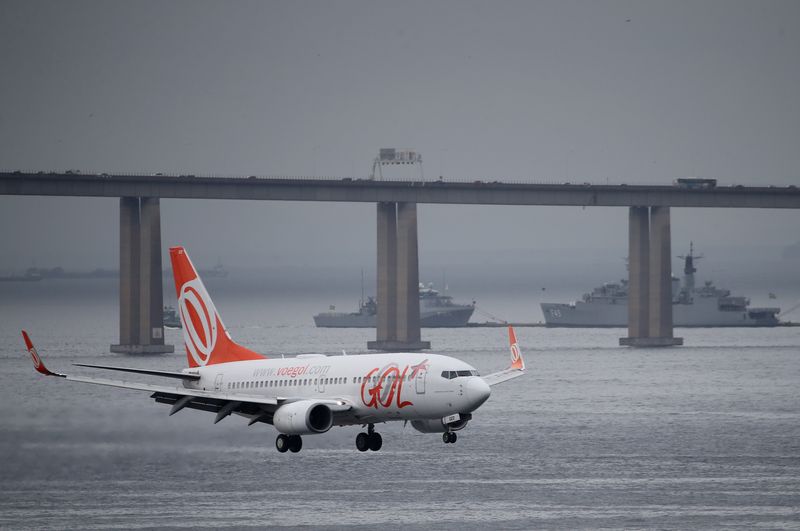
[380, 387]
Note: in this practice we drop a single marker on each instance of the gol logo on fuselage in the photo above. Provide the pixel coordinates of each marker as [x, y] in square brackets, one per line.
[386, 385]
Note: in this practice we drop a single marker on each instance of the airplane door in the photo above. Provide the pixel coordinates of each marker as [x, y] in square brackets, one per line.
[218, 382]
[420, 381]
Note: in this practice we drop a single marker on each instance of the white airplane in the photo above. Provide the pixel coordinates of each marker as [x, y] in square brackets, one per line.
[310, 393]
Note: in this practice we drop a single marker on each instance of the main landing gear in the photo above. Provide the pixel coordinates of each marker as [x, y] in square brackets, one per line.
[371, 440]
[449, 437]
[288, 442]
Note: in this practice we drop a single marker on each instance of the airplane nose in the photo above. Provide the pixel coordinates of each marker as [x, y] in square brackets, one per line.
[478, 391]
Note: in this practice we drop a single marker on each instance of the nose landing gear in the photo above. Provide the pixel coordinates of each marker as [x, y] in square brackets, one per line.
[371, 440]
[285, 443]
[449, 437]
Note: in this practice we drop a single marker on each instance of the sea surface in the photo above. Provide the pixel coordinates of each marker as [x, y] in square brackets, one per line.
[594, 436]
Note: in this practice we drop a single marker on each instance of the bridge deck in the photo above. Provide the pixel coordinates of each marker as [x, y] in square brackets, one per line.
[363, 190]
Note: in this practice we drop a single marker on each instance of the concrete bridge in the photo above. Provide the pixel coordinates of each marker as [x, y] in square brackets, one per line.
[141, 329]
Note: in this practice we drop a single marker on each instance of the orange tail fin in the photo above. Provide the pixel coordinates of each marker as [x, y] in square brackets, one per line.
[207, 341]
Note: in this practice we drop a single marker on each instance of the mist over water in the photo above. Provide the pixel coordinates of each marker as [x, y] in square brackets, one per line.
[704, 435]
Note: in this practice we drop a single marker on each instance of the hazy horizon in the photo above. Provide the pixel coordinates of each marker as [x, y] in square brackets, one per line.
[611, 91]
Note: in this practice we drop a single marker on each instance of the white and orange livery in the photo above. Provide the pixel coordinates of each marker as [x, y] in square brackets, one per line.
[307, 394]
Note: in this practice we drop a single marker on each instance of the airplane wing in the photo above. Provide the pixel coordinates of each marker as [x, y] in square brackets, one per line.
[517, 367]
[256, 408]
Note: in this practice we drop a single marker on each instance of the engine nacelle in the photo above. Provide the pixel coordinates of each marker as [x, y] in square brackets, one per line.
[303, 417]
[438, 425]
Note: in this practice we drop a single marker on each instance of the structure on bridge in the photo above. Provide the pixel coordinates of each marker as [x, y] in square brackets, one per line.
[141, 328]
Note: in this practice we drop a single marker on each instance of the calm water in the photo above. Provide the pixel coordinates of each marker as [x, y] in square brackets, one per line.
[702, 436]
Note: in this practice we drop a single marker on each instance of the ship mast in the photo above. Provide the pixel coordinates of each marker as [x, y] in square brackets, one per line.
[688, 268]
[361, 302]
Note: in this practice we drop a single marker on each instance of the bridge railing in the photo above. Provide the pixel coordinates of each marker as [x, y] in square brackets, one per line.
[553, 181]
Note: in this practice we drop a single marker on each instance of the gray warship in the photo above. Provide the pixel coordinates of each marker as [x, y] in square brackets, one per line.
[704, 306]
[171, 318]
[435, 311]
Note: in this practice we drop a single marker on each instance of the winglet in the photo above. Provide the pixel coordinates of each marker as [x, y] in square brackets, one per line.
[516, 356]
[38, 364]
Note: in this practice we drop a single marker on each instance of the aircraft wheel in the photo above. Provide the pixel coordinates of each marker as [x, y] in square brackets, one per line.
[453, 437]
[362, 442]
[295, 443]
[282, 443]
[375, 442]
[446, 437]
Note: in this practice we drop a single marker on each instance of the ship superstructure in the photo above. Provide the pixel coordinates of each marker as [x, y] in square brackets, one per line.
[692, 306]
[436, 310]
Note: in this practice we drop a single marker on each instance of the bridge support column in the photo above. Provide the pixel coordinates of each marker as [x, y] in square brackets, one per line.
[649, 279]
[398, 320]
[638, 272]
[386, 326]
[141, 329]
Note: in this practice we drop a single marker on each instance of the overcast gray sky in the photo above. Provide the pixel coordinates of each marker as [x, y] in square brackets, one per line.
[598, 91]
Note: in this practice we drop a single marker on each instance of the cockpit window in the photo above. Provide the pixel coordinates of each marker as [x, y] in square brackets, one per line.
[449, 375]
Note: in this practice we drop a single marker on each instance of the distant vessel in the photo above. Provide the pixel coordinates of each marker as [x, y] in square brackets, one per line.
[435, 311]
[706, 306]
[171, 319]
[218, 271]
[31, 275]
[60, 273]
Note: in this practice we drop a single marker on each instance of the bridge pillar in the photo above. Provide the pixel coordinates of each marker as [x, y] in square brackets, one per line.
[649, 279]
[386, 326]
[141, 329]
[128, 271]
[398, 321]
[407, 275]
[638, 272]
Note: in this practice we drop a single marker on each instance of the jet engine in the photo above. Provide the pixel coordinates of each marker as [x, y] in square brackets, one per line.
[439, 426]
[303, 417]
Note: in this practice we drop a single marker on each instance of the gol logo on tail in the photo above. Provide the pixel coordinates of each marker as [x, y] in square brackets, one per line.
[37, 362]
[199, 318]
